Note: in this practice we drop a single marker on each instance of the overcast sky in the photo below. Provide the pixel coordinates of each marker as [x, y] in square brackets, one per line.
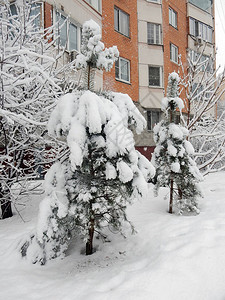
[220, 31]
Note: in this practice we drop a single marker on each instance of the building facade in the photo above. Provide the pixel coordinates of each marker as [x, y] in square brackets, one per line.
[119, 27]
[168, 31]
[150, 35]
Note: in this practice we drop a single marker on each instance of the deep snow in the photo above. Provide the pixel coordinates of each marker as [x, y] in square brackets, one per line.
[171, 257]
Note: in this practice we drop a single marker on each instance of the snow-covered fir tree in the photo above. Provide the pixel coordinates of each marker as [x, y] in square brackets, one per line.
[102, 174]
[172, 156]
[30, 83]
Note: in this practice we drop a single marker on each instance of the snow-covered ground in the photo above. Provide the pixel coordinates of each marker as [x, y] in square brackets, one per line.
[171, 257]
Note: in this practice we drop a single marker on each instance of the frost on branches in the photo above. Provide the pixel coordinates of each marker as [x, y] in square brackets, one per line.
[204, 90]
[91, 187]
[172, 156]
[29, 87]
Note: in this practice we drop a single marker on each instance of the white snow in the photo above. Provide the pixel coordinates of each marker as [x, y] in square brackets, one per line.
[175, 131]
[179, 102]
[175, 167]
[110, 171]
[189, 148]
[93, 50]
[129, 111]
[164, 103]
[171, 257]
[171, 149]
[174, 76]
[125, 172]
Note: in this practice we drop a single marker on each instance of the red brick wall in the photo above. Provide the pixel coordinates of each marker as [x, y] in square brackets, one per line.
[178, 37]
[47, 15]
[146, 151]
[127, 46]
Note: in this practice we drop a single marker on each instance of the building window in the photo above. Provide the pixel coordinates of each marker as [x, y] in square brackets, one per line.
[173, 53]
[122, 69]
[155, 1]
[72, 37]
[203, 4]
[95, 3]
[121, 21]
[67, 32]
[34, 14]
[62, 29]
[199, 29]
[192, 26]
[154, 34]
[172, 17]
[155, 76]
[153, 117]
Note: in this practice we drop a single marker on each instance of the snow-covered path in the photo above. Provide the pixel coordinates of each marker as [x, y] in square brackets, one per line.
[171, 257]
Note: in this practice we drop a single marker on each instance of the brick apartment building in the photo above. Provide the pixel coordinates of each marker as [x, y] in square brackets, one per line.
[167, 29]
[150, 34]
[120, 27]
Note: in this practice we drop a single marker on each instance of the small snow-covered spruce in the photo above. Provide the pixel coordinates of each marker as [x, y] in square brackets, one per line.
[93, 54]
[91, 188]
[172, 156]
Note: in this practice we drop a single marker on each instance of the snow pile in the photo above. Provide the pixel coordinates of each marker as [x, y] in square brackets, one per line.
[93, 51]
[169, 258]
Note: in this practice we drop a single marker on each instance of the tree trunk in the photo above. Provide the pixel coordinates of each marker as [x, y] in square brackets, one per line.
[89, 77]
[180, 193]
[6, 207]
[171, 196]
[89, 244]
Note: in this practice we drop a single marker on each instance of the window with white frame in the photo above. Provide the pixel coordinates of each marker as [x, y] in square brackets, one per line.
[155, 76]
[173, 53]
[191, 26]
[122, 69]
[62, 29]
[154, 33]
[121, 21]
[153, 117]
[199, 29]
[172, 17]
[73, 45]
[95, 3]
[67, 32]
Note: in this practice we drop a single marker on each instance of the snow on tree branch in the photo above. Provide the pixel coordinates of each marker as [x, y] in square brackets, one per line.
[203, 93]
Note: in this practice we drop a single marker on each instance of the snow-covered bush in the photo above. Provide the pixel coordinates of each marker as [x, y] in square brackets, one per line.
[172, 156]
